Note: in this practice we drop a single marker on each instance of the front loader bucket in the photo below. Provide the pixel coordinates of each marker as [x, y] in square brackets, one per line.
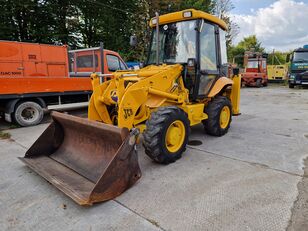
[87, 160]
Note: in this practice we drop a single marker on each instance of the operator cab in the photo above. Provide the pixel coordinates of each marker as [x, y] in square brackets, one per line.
[197, 41]
[300, 56]
[256, 65]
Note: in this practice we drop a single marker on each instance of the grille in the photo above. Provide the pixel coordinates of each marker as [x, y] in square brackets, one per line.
[297, 71]
[304, 77]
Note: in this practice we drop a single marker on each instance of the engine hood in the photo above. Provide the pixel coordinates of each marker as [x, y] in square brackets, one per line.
[145, 72]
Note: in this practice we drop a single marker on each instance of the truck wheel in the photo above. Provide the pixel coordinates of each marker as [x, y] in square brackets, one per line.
[219, 112]
[291, 85]
[166, 134]
[28, 113]
[265, 84]
[259, 83]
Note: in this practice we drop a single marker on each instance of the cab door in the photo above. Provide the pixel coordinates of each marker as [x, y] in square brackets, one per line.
[208, 59]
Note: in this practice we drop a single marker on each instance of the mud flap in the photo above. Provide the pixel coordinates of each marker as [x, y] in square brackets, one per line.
[87, 160]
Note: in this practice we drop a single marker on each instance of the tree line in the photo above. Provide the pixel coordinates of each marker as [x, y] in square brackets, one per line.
[85, 23]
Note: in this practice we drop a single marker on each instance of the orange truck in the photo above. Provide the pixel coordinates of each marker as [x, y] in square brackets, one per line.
[255, 74]
[36, 77]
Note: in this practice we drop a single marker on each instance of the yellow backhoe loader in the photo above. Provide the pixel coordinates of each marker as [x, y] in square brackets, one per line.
[184, 83]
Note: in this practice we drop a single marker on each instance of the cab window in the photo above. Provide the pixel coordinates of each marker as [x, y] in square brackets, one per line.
[208, 58]
[86, 61]
[223, 46]
[252, 64]
[122, 65]
[114, 63]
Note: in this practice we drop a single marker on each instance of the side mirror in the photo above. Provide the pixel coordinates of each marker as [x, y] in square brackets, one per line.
[133, 40]
[288, 58]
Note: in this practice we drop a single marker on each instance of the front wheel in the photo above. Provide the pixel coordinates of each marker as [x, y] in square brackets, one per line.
[28, 113]
[291, 85]
[166, 134]
[219, 112]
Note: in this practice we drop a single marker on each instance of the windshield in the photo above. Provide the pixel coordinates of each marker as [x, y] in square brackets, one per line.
[252, 64]
[177, 43]
[300, 57]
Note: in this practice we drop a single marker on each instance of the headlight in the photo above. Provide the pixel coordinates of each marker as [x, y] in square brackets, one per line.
[187, 14]
[292, 76]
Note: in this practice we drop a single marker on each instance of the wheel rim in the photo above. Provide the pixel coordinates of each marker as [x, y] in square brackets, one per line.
[29, 114]
[175, 136]
[225, 115]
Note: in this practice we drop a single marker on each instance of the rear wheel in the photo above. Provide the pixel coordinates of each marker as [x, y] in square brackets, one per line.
[291, 85]
[219, 112]
[28, 113]
[166, 134]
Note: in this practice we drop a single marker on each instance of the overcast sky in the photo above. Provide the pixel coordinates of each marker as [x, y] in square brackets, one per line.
[278, 24]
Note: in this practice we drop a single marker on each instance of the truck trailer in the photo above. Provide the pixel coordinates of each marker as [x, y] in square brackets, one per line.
[34, 77]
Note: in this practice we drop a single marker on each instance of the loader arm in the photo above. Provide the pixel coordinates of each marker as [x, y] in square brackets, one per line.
[134, 96]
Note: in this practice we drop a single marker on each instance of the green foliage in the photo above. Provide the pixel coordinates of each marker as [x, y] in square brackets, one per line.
[5, 135]
[236, 54]
[85, 23]
[250, 43]
[278, 58]
[204, 5]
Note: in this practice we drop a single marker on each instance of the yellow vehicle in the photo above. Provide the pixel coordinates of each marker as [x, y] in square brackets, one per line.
[277, 73]
[183, 84]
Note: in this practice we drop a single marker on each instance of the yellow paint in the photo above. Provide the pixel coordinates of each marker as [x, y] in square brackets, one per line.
[196, 14]
[195, 113]
[152, 81]
[277, 72]
[235, 95]
[175, 136]
[220, 84]
[165, 87]
[135, 94]
[141, 127]
[225, 116]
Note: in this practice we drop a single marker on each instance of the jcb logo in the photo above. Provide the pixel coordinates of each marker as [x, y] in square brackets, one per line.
[128, 112]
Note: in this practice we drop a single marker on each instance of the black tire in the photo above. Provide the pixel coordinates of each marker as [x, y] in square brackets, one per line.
[265, 84]
[291, 85]
[212, 124]
[259, 83]
[154, 135]
[28, 113]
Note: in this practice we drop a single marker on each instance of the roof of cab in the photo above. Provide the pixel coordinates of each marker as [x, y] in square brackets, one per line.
[195, 14]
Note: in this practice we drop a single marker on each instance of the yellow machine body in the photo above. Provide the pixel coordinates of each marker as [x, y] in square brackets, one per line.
[188, 14]
[277, 72]
[136, 94]
[95, 159]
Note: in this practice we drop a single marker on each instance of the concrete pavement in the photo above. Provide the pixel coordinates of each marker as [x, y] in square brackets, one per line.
[246, 180]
